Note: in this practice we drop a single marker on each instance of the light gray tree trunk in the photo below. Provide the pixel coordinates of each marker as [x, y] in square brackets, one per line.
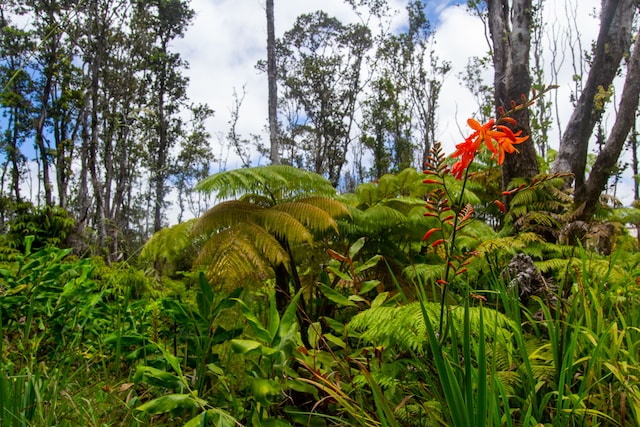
[586, 200]
[273, 85]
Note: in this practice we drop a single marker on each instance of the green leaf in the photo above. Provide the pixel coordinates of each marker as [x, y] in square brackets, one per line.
[355, 248]
[168, 403]
[315, 331]
[157, 377]
[336, 297]
[368, 285]
[335, 340]
[371, 262]
[244, 346]
[255, 324]
[335, 269]
[379, 299]
[289, 318]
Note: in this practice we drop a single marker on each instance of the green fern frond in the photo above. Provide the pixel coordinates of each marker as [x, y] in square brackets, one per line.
[225, 215]
[240, 252]
[278, 182]
[388, 186]
[509, 244]
[333, 207]
[284, 226]
[454, 188]
[410, 183]
[384, 216]
[427, 273]
[404, 204]
[403, 327]
[309, 217]
[556, 264]
[168, 243]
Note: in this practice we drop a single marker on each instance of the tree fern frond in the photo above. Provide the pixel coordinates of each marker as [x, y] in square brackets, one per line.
[279, 182]
[286, 227]
[404, 204]
[239, 252]
[224, 215]
[333, 207]
[383, 216]
[168, 242]
[310, 216]
[410, 183]
[367, 195]
[387, 186]
[454, 188]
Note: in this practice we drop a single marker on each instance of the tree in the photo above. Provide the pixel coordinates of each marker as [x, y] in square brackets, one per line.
[401, 109]
[320, 65]
[614, 39]
[272, 77]
[192, 164]
[164, 90]
[15, 103]
[510, 28]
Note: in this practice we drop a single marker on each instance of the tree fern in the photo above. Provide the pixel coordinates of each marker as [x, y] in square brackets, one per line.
[278, 209]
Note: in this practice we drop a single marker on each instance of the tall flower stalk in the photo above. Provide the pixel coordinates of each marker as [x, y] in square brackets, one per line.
[497, 137]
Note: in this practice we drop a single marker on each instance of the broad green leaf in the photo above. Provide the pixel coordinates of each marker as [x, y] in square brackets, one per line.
[368, 285]
[255, 324]
[335, 269]
[264, 390]
[379, 299]
[315, 331]
[335, 296]
[289, 317]
[168, 403]
[355, 248]
[371, 262]
[244, 346]
[335, 340]
[274, 316]
[157, 377]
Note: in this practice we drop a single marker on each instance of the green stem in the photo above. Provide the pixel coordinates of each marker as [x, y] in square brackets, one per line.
[450, 250]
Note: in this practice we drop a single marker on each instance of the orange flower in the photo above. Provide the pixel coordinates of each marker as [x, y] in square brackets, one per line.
[506, 143]
[487, 133]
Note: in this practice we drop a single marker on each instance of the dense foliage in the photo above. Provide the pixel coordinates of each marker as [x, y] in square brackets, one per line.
[539, 322]
[433, 297]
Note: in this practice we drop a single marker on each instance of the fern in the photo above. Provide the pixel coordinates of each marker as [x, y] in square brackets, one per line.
[404, 328]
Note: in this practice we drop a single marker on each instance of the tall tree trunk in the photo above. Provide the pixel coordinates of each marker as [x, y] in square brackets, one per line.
[614, 38]
[510, 29]
[39, 140]
[587, 199]
[273, 85]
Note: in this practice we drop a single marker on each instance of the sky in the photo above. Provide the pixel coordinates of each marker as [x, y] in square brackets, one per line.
[228, 37]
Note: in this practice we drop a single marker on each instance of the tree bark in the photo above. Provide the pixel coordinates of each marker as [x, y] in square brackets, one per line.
[510, 29]
[587, 200]
[613, 42]
[273, 85]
